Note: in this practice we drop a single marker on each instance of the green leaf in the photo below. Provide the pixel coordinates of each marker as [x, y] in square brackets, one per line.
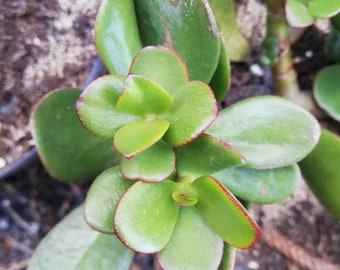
[221, 79]
[322, 172]
[143, 97]
[206, 155]
[194, 109]
[260, 186]
[269, 131]
[66, 149]
[318, 9]
[224, 214]
[102, 199]
[146, 216]
[185, 25]
[137, 136]
[152, 165]
[162, 65]
[72, 245]
[236, 44]
[96, 107]
[326, 90]
[297, 14]
[116, 35]
[193, 244]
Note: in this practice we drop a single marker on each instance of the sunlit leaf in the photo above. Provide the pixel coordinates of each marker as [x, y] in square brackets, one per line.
[102, 199]
[68, 151]
[152, 165]
[321, 171]
[116, 35]
[146, 216]
[193, 244]
[269, 131]
[73, 245]
[224, 214]
[96, 107]
[260, 186]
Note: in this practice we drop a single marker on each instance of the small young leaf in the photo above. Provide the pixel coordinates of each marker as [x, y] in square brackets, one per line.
[146, 216]
[143, 97]
[96, 107]
[116, 35]
[269, 131]
[187, 26]
[152, 165]
[136, 136]
[72, 245]
[321, 171]
[224, 214]
[260, 186]
[162, 65]
[102, 199]
[205, 156]
[194, 109]
[326, 90]
[68, 151]
[193, 244]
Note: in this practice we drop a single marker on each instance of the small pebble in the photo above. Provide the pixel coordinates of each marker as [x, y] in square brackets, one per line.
[253, 265]
[2, 162]
[309, 54]
[256, 70]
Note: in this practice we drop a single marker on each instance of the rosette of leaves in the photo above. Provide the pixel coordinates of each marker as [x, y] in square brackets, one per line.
[154, 108]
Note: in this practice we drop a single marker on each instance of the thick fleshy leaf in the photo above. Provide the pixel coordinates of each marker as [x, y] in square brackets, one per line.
[179, 25]
[221, 79]
[194, 109]
[152, 165]
[318, 9]
[224, 214]
[143, 97]
[116, 35]
[73, 245]
[326, 90]
[102, 199]
[205, 156]
[136, 136]
[193, 244]
[67, 150]
[146, 216]
[162, 65]
[236, 44]
[260, 186]
[297, 14]
[321, 171]
[96, 107]
[269, 131]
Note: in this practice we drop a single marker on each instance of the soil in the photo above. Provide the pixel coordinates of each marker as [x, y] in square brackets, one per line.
[48, 45]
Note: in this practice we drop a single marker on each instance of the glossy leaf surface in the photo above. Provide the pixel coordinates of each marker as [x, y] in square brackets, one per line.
[194, 109]
[236, 44]
[260, 186]
[188, 27]
[143, 97]
[96, 107]
[116, 35]
[67, 150]
[224, 214]
[152, 165]
[205, 156]
[321, 171]
[269, 131]
[327, 90]
[136, 136]
[73, 245]
[193, 244]
[146, 216]
[220, 81]
[173, 73]
[102, 199]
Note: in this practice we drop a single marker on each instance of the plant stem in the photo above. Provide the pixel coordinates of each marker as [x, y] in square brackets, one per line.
[285, 81]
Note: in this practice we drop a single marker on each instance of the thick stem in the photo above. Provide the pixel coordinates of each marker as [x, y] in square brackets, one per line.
[285, 81]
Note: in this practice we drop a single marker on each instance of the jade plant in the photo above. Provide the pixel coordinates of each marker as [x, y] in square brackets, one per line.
[173, 173]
